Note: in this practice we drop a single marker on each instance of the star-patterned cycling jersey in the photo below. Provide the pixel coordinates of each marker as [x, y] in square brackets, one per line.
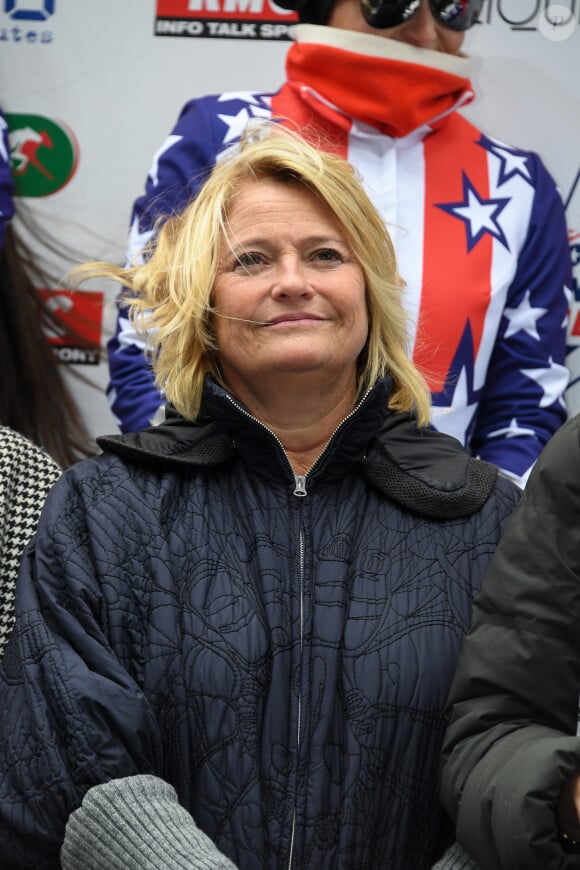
[478, 228]
[6, 182]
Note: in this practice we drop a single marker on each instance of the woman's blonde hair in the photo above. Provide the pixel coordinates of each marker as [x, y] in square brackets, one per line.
[170, 294]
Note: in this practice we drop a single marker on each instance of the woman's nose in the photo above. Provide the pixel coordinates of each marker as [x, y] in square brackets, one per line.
[291, 278]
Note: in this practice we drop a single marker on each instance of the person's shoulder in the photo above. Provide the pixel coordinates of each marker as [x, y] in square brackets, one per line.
[257, 99]
[565, 440]
[11, 439]
[558, 462]
[18, 451]
[432, 474]
[515, 160]
[173, 444]
[94, 487]
[84, 475]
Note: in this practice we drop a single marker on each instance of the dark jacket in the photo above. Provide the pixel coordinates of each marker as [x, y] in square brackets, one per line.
[283, 660]
[511, 743]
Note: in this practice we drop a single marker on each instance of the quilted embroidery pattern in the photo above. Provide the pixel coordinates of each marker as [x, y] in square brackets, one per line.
[283, 662]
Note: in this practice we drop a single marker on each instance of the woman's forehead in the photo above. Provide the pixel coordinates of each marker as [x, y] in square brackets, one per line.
[267, 204]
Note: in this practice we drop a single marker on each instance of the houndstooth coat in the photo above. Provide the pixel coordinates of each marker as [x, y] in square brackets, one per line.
[26, 475]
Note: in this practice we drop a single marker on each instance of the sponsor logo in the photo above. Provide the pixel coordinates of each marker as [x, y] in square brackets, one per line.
[24, 18]
[224, 19]
[554, 19]
[29, 10]
[76, 336]
[43, 154]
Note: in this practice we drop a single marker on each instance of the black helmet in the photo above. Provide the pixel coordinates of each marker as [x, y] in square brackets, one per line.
[309, 11]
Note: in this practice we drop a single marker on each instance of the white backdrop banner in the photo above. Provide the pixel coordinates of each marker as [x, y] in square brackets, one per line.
[92, 87]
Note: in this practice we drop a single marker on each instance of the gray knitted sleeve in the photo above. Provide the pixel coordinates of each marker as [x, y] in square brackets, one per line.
[455, 858]
[136, 823]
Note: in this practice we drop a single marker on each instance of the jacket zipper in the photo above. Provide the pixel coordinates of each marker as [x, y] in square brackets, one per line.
[300, 485]
[299, 480]
[299, 716]
[299, 491]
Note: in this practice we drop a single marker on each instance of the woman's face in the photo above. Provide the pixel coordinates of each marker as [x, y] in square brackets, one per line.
[289, 295]
[422, 29]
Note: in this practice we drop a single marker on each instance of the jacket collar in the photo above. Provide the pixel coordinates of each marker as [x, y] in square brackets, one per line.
[422, 470]
[225, 429]
[395, 88]
[261, 449]
[428, 472]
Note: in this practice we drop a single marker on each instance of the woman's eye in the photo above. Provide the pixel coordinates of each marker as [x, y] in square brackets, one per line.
[249, 259]
[328, 255]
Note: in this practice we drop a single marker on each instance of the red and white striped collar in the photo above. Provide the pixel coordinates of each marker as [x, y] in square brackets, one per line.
[389, 85]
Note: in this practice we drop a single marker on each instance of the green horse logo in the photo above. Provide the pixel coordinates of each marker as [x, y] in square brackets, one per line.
[43, 154]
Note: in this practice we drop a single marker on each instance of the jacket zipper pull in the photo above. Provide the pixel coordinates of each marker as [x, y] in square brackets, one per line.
[300, 488]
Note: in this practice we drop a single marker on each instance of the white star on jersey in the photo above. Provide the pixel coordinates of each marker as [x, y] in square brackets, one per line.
[524, 318]
[512, 431]
[245, 97]
[236, 123]
[480, 215]
[552, 380]
[169, 143]
[513, 164]
[459, 415]
[136, 242]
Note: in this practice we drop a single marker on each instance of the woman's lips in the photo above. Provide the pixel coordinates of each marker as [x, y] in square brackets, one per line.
[294, 317]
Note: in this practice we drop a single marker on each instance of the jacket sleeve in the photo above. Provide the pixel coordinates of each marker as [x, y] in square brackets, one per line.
[511, 741]
[176, 173]
[455, 858]
[137, 823]
[72, 714]
[523, 399]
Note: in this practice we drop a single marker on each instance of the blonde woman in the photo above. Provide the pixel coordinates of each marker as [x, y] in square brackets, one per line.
[478, 224]
[261, 601]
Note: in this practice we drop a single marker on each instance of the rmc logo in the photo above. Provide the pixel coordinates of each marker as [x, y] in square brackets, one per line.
[226, 19]
[28, 10]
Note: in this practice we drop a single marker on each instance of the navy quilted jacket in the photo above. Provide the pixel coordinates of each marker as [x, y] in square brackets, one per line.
[279, 650]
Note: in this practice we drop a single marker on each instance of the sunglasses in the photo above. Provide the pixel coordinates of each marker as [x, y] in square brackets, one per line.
[455, 14]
